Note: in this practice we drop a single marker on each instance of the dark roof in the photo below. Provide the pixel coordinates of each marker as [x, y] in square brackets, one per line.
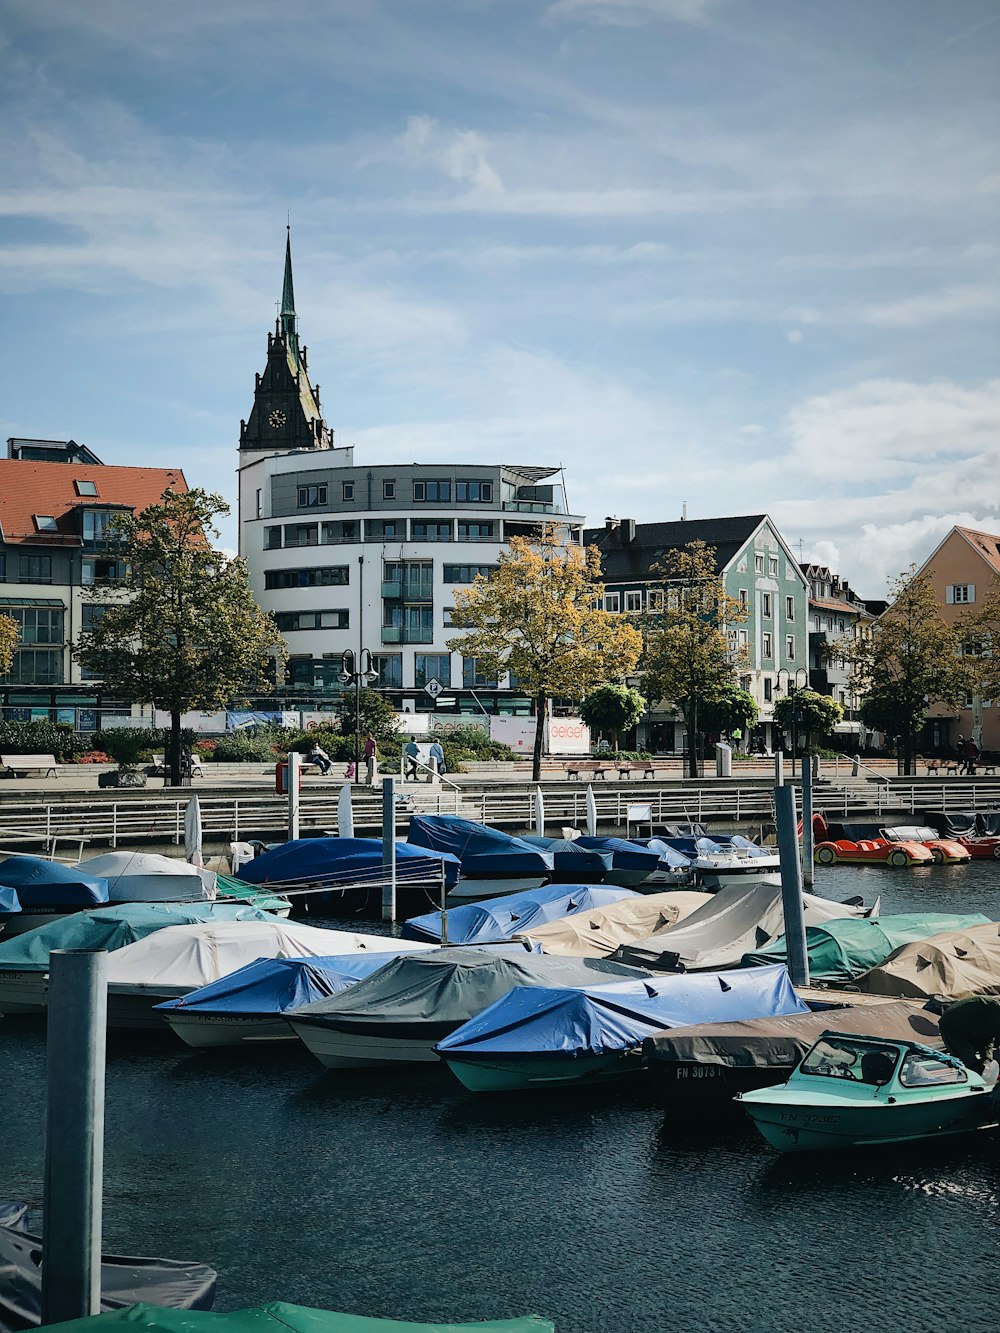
[622, 559]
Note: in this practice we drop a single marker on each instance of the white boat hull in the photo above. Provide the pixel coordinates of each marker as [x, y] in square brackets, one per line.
[349, 1050]
[753, 870]
[22, 992]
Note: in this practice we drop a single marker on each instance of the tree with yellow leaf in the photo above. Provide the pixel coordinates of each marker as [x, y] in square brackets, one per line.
[537, 616]
[9, 636]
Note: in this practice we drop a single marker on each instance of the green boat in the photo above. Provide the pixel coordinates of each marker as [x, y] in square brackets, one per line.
[851, 1092]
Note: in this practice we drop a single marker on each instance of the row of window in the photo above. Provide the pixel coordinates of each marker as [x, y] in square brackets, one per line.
[38, 569]
[36, 624]
[324, 674]
[348, 531]
[632, 602]
[316, 495]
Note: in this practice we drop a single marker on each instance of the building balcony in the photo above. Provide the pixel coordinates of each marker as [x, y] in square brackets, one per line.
[530, 507]
[401, 634]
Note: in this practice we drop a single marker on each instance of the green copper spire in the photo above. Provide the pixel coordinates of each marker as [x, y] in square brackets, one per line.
[288, 321]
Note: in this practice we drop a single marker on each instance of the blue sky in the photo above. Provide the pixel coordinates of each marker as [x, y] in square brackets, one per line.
[742, 256]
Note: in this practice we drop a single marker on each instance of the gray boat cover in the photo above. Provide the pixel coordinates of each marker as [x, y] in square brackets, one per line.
[964, 824]
[597, 933]
[13, 1213]
[780, 1043]
[735, 921]
[436, 991]
[953, 964]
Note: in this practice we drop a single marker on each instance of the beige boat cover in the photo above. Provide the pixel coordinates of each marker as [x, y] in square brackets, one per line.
[952, 964]
[600, 931]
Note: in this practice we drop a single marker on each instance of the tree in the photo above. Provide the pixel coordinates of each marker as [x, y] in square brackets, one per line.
[367, 712]
[614, 708]
[808, 715]
[9, 636]
[730, 710]
[689, 659]
[537, 616]
[183, 631]
[908, 660]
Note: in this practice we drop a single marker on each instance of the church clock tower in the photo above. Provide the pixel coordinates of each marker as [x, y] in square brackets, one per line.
[286, 412]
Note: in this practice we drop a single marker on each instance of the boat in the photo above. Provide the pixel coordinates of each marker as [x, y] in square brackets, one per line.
[707, 1064]
[854, 1091]
[718, 934]
[721, 859]
[147, 877]
[493, 920]
[182, 959]
[24, 960]
[554, 1037]
[399, 1015]
[864, 845]
[10, 905]
[597, 933]
[949, 965]
[280, 1317]
[124, 1281]
[977, 831]
[492, 862]
[47, 890]
[573, 863]
[632, 863]
[839, 951]
[248, 1006]
[945, 851]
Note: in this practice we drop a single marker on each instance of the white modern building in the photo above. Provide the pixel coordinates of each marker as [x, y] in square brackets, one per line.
[367, 558]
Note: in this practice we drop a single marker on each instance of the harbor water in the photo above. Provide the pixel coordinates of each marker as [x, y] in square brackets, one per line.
[401, 1195]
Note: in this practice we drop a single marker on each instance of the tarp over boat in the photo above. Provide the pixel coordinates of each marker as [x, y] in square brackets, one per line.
[738, 918]
[165, 1282]
[617, 1017]
[496, 919]
[41, 883]
[573, 863]
[435, 991]
[10, 903]
[13, 1213]
[113, 928]
[625, 854]
[280, 1317]
[840, 951]
[598, 932]
[147, 877]
[272, 985]
[955, 963]
[346, 861]
[484, 852]
[768, 1043]
[963, 824]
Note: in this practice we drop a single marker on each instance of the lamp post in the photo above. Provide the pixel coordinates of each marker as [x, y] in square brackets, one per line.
[357, 668]
[793, 684]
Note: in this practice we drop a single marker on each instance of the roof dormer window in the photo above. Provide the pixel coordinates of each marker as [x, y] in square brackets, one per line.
[85, 487]
[45, 523]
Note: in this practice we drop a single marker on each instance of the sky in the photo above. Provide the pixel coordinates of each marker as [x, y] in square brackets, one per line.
[737, 256]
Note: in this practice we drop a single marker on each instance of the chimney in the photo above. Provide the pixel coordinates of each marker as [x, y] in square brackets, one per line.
[684, 511]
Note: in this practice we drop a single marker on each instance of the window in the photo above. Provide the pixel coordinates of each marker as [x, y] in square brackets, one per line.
[766, 647]
[34, 569]
[447, 613]
[432, 490]
[772, 565]
[311, 497]
[36, 624]
[475, 532]
[407, 624]
[347, 490]
[3, 566]
[789, 608]
[341, 534]
[96, 526]
[654, 599]
[388, 488]
[260, 503]
[408, 580]
[46, 523]
[466, 573]
[743, 639]
[765, 605]
[390, 669]
[313, 674]
[790, 647]
[758, 564]
[90, 615]
[612, 601]
[431, 666]
[36, 666]
[295, 620]
[85, 487]
[385, 529]
[302, 534]
[474, 492]
[272, 539]
[473, 678]
[431, 532]
[744, 600]
[324, 576]
[103, 569]
[633, 601]
[921, 1069]
[768, 689]
[958, 593]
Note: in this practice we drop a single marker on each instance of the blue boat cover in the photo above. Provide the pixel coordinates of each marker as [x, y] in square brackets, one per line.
[9, 901]
[272, 985]
[670, 857]
[484, 852]
[496, 919]
[572, 862]
[114, 927]
[692, 847]
[626, 855]
[616, 1017]
[343, 861]
[41, 883]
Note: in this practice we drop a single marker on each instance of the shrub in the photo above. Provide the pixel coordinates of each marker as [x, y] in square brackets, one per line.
[55, 738]
[261, 745]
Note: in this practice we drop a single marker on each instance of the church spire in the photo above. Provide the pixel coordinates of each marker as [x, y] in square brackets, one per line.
[288, 320]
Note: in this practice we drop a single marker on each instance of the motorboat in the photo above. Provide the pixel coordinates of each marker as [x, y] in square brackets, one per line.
[544, 1038]
[597, 933]
[573, 863]
[632, 863]
[46, 890]
[492, 862]
[24, 960]
[864, 844]
[839, 951]
[147, 877]
[949, 965]
[248, 1006]
[398, 1015]
[721, 859]
[496, 919]
[854, 1091]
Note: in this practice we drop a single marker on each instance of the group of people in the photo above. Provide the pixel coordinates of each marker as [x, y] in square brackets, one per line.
[318, 756]
[967, 753]
[435, 760]
[436, 763]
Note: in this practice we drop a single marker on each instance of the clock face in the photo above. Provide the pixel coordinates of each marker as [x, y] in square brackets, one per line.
[277, 419]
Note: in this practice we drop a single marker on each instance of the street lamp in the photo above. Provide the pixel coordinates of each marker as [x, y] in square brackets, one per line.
[355, 669]
[793, 684]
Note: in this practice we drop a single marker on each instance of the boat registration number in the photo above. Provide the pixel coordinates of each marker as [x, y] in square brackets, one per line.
[697, 1071]
[807, 1118]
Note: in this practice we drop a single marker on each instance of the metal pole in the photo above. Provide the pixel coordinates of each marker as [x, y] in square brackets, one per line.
[388, 849]
[444, 909]
[292, 776]
[74, 1134]
[779, 769]
[791, 886]
[808, 873]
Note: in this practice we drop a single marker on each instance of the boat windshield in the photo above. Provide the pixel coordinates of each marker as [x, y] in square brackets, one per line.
[921, 1069]
[858, 1061]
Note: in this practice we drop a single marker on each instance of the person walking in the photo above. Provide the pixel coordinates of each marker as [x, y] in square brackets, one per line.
[411, 754]
[371, 755]
[971, 756]
[437, 758]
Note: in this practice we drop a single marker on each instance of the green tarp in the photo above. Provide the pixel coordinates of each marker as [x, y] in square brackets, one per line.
[841, 950]
[277, 1316]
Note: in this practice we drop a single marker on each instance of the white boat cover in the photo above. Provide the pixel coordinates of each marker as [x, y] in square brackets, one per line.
[953, 964]
[735, 921]
[597, 933]
[192, 956]
[146, 877]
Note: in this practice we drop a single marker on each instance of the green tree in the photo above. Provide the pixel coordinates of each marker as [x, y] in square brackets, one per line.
[183, 630]
[908, 660]
[729, 710]
[807, 715]
[9, 636]
[614, 708]
[368, 711]
[538, 617]
[689, 658]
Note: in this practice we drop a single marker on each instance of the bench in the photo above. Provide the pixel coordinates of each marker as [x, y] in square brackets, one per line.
[597, 768]
[644, 767]
[29, 763]
[160, 766]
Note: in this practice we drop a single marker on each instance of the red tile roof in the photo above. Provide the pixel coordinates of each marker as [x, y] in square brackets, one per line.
[28, 488]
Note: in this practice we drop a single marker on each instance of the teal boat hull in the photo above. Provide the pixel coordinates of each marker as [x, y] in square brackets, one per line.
[500, 1073]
